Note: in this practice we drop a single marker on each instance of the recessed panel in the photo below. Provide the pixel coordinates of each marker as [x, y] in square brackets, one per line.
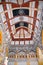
[21, 24]
[17, 12]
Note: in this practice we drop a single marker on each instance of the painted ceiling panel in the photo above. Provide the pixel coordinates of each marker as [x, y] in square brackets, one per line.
[20, 17]
[18, 12]
[26, 36]
[19, 24]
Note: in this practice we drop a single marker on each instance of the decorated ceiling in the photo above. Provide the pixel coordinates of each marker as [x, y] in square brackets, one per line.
[21, 19]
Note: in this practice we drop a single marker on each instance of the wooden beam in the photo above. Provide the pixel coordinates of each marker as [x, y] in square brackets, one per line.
[22, 39]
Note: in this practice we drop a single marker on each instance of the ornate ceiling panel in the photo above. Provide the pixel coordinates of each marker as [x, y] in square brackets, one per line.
[24, 18]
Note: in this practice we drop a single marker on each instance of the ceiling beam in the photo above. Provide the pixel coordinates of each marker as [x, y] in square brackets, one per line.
[22, 39]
